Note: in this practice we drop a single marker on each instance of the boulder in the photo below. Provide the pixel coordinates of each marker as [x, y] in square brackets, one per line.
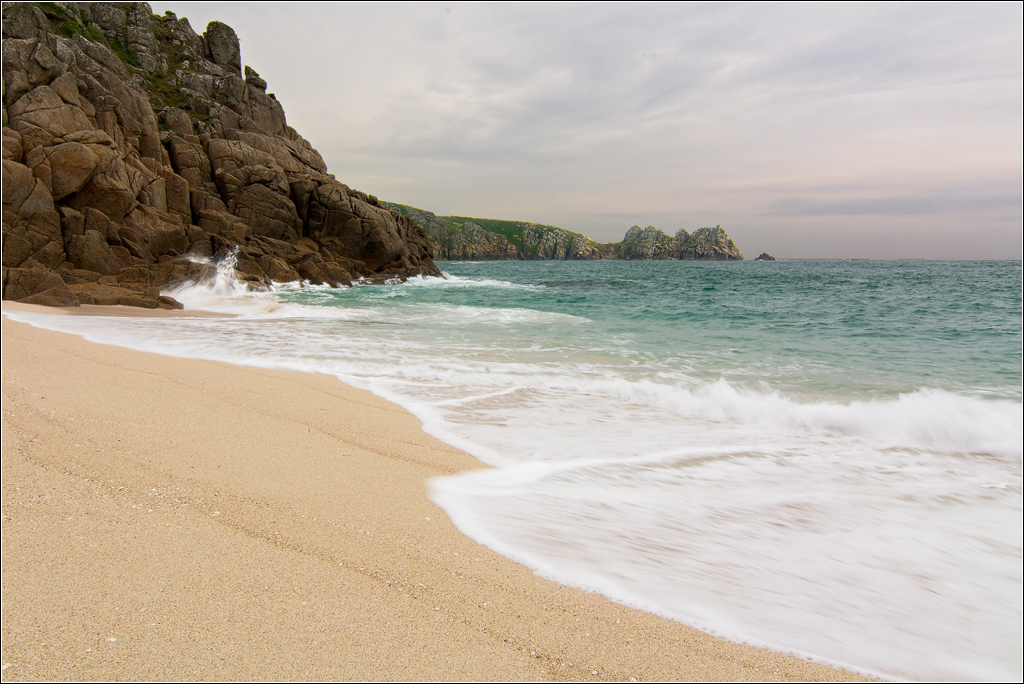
[18, 184]
[277, 269]
[17, 246]
[25, 21]
[72, 165]
[253, 80]
[33, 240]
[20, 283]
[40, 116]
[178, 121]
[91, 252]
[150, 234]
[111, 190]
[12, 147]
[111, 295]
[55, 296]
[38, 200]
[222, 46]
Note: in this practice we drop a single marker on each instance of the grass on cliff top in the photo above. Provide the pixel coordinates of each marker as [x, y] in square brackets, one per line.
[402, 209]
[511, 230]
[453, 226]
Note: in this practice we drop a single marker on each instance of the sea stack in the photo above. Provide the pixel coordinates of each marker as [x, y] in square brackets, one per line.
[704, 244]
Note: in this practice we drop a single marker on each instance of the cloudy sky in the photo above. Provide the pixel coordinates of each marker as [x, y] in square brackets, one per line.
[839, 130]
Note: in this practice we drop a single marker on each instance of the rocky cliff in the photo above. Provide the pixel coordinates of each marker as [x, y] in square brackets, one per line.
[463, 238]
[474, 239]
[133, 147]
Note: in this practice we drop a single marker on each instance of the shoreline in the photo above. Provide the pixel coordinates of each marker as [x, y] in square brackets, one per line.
[169, 518]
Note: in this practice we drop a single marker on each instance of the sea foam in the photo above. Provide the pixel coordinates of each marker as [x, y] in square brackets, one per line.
[732, 478]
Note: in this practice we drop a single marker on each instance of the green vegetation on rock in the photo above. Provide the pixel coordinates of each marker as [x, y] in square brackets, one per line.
[465, 238]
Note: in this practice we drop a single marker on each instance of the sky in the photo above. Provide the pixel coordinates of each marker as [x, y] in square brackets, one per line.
[843, 130]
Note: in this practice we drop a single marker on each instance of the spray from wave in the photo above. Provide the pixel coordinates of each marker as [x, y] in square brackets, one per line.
[224, 292]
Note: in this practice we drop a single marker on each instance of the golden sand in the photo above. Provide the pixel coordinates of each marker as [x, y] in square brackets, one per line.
[178, 519]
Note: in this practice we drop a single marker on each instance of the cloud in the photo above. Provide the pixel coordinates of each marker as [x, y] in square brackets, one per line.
[578, 112]
[901, 205]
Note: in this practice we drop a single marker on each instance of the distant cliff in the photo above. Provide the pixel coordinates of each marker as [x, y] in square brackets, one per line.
[461, 238]
[474, 239]
[132, 144]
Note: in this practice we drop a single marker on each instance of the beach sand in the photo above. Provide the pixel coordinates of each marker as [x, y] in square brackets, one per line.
[178, 519]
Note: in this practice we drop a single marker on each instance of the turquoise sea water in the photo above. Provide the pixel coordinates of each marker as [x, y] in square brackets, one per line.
[823, 457]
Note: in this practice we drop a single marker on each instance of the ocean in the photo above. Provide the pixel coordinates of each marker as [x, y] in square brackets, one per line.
[820, 457]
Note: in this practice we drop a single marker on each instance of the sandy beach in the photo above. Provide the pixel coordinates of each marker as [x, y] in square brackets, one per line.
[179, 519]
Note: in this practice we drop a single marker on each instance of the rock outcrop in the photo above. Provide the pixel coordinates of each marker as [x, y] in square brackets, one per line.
[645, 243]
[472, 239]
[764, 256]
[704, 244]
[133, 146]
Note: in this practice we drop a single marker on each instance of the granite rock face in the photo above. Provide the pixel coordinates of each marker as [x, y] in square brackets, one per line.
[133, 145]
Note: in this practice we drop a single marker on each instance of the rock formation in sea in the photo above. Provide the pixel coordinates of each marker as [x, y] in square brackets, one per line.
[704, 244]
[475, 239]
[764, 256]
[133, 147]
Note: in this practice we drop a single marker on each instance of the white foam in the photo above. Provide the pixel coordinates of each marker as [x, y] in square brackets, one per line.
[482, 283]
[879, 562]
[224, 293]
[879, 532]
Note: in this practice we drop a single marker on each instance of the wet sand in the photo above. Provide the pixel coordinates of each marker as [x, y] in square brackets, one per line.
[179, 519]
